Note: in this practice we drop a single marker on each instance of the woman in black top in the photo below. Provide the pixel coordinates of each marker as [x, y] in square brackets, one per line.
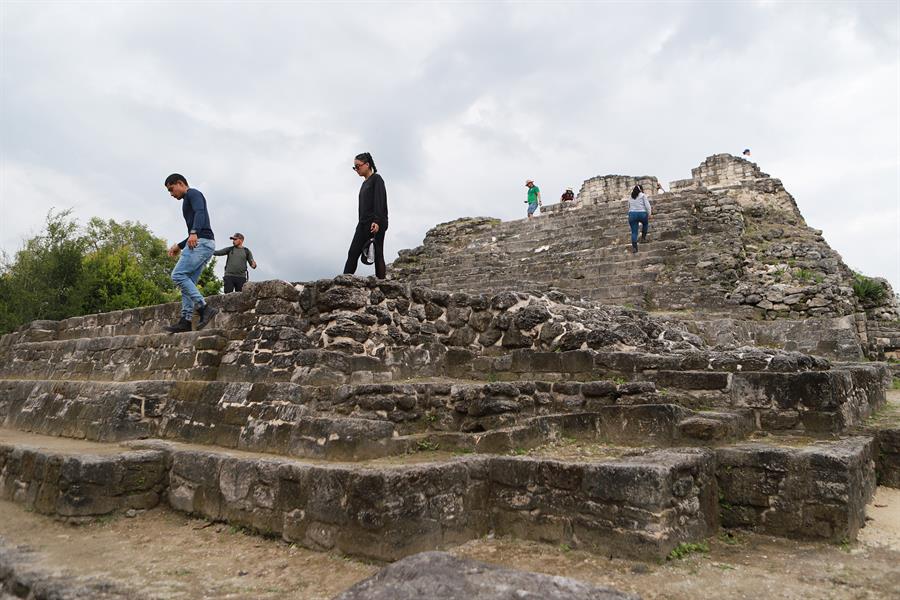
[373, 215]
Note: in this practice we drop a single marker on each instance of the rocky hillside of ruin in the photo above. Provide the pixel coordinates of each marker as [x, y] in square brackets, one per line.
[728, 241]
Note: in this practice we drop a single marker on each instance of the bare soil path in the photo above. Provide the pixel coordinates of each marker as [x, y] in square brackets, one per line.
[166, 555]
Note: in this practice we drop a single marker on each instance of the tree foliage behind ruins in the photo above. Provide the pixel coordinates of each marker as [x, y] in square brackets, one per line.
[68, 270]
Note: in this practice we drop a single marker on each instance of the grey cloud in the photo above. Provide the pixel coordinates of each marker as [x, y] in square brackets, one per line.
[264, 105]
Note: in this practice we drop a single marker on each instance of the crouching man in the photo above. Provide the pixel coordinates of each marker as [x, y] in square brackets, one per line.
[195, 252]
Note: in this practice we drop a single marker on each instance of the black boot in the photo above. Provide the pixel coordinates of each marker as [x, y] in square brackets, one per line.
[643, 237]
[180, 327]
[206, 313]
[634, 247]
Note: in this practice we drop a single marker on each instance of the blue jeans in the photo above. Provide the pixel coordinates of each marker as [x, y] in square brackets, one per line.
[187, 272]
[635, 217]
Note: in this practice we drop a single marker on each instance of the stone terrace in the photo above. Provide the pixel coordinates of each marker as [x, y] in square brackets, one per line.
[380, 419]
[727, 246]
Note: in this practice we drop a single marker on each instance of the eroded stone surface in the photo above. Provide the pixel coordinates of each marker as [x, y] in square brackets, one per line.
[730, 239]
[440, 576]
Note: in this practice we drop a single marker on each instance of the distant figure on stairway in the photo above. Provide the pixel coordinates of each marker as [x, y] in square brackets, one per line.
[534, 197]
[746, 153]
[568, 196]
[639, 211]
[373, 216]
[659, 188]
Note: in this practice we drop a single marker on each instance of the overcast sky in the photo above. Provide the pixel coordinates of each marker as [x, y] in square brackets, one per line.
[262, 106]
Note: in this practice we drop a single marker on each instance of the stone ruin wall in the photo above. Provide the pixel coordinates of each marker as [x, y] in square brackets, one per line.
[744, 255]
[601, 189]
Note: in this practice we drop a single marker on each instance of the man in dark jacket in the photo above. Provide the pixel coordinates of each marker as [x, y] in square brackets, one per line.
[197, 249]
[236, 273]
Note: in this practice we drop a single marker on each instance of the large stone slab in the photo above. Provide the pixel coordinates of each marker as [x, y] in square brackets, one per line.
[816, 491]
[441, 576]
[73, 484]
[640, 506]
[22, 577]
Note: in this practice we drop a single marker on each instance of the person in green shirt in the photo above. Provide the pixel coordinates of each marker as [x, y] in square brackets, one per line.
[236, 273]
[534, 197]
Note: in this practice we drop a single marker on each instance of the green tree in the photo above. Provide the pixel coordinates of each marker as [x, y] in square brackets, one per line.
[113, 279]
[148, 251]
[41, 281]
[209, 283]
[67, 271]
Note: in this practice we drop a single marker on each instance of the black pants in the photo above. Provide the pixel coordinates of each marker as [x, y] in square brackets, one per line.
[360, 237]
[233, 283]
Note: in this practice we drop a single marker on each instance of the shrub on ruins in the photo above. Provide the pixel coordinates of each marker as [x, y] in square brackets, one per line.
[67, 270]
[869, 291]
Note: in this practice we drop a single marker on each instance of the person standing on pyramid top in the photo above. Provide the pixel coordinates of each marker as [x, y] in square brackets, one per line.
[746, 153]
[567, 196]
[534, 197]
[195, 251]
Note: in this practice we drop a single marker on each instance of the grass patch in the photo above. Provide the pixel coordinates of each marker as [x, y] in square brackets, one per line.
[724, 504]
[727, 537]
[804, 275]
[867, 289]
[685, 549]
[427, 446]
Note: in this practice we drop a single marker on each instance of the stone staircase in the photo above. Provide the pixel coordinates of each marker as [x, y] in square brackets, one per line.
[378, 419]
[728, 253]
[581, 252]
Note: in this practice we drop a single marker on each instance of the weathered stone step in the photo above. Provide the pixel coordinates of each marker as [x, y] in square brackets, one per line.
[788, 488]
[640, 505]
[73, 479]
[642, 425]
[553, 244]
[625, 503]
[349, 422]
[191, 355]
[884, 426]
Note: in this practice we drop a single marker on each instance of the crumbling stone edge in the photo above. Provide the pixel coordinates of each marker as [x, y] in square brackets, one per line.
[639, 505]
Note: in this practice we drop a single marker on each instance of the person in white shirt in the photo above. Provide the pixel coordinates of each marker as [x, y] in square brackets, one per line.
[639, 211]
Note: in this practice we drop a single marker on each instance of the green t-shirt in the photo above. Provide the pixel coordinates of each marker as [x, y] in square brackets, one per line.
[532, 194]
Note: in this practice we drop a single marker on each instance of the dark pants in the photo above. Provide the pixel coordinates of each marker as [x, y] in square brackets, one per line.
[638, 217]
[360, 237]
[233, 283]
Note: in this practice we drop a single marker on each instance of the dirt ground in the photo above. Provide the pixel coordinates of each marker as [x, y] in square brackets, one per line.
[166, 555]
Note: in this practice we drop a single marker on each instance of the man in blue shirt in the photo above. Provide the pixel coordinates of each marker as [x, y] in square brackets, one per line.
[197, 249]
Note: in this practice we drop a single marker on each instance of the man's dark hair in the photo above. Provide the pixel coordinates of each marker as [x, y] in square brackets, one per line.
[175, 178]
[365, 157]
[636, 191]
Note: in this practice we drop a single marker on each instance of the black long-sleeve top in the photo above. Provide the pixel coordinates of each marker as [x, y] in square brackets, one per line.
[373, 201]
[196, 217]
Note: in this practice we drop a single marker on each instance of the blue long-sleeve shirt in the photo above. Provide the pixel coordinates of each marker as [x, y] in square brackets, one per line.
[196, 216]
